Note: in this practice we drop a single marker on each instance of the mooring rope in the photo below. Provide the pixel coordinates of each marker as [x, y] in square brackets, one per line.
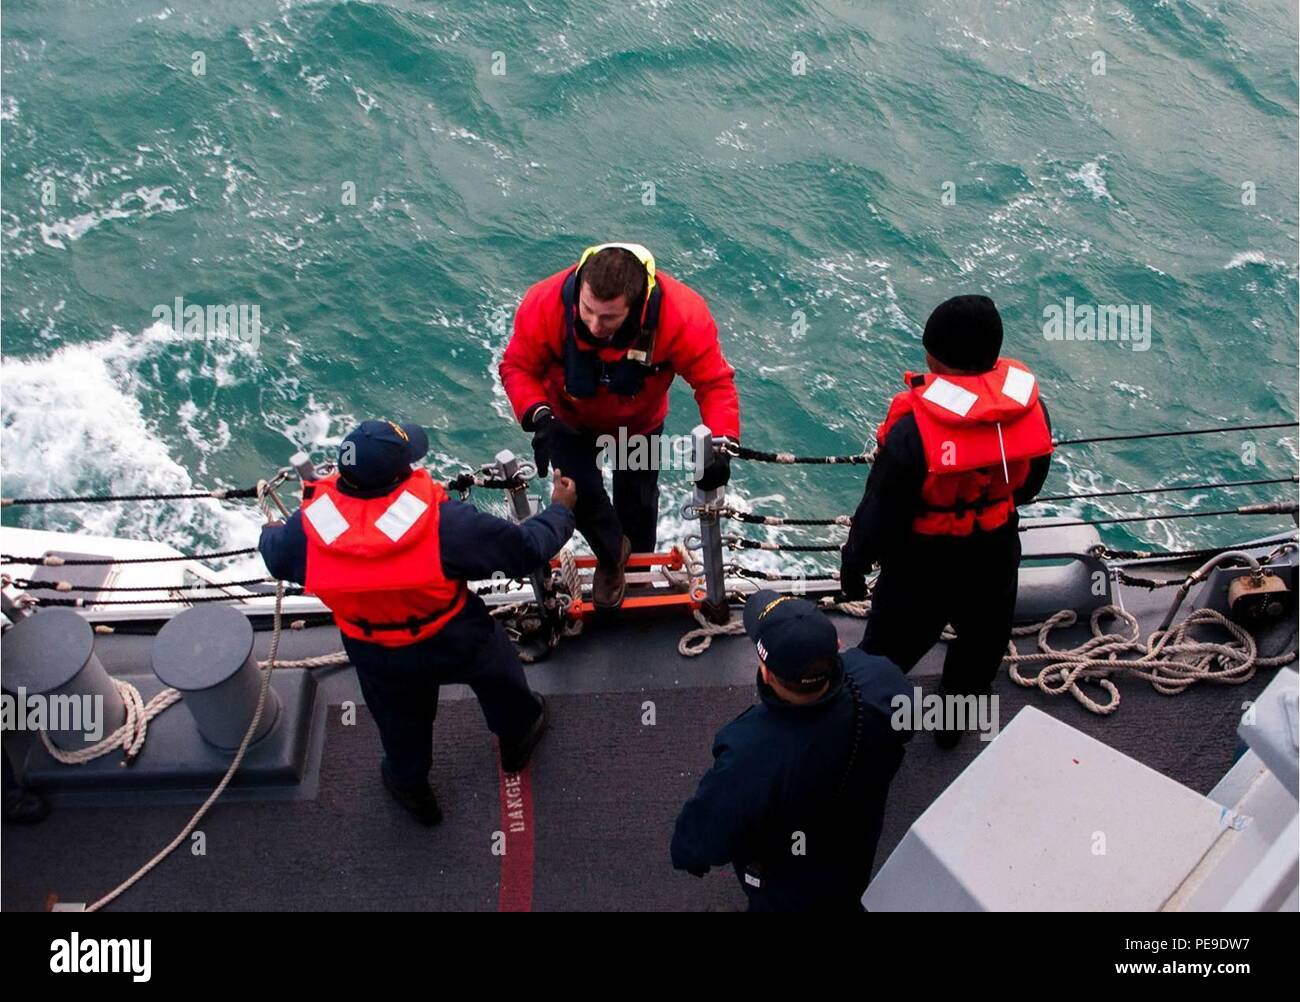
[1170, 660]
[695, 642]
[225, 780]
[267, 667]
[129, 737]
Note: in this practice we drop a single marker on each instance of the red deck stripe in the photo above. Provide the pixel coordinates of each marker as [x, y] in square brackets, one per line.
[517, 823]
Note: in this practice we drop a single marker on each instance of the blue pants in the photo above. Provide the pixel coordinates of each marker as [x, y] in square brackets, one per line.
[401, 684]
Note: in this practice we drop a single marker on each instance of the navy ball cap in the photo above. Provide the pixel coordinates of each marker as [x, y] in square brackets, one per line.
[377, 453]
[791, 635]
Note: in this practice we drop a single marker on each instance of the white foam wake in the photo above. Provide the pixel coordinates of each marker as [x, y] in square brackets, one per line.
[72, 426]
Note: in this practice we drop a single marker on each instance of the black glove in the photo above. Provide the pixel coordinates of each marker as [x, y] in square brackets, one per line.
[547, 428]
[716, 473]
[853, 586]
[542, 444]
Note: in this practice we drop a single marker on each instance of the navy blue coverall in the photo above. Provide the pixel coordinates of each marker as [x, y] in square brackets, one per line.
[781, 802]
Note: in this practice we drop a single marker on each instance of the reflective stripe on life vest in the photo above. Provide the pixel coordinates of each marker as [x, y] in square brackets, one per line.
[979, 434]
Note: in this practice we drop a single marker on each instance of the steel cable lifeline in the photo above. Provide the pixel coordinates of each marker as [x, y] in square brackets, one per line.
[82, 603]
[1270, 508]
[49, 560]
[753, 518]
[1100, 551]
[742, 452]
[220, 494]
[28, 585]
[464, 481]
[461, 482]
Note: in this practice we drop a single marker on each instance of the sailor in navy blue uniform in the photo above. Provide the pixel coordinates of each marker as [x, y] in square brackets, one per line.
[400, 683]
[795, 799]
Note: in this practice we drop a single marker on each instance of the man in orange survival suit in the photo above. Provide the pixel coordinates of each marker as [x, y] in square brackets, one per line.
[389, 552]
[960, 448]
[594, 350]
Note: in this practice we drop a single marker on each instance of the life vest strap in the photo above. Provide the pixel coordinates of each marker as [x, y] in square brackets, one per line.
[412, 623]
[606, 368]
[961, 508]
[585, 371]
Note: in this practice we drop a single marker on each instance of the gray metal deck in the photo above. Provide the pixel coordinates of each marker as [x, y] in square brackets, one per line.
[605, 788]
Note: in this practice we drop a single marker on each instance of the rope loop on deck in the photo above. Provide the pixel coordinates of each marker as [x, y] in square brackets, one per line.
[1171, 660]
[129, 737]
[696, 642]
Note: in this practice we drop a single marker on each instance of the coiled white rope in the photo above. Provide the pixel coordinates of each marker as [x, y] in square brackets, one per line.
[572, 581]
[695, 642]
[1170, 660]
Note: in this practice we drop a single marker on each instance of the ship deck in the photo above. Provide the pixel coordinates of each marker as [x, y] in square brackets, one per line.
[605, 788]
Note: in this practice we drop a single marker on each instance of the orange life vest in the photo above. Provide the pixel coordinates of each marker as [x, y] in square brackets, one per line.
[979, 434]
[376, 562]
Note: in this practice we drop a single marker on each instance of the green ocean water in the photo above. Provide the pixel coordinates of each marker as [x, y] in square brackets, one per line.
[487, 144]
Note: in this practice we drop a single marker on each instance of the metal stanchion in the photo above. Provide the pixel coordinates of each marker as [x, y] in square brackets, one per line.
[715, 606]
[523, 507]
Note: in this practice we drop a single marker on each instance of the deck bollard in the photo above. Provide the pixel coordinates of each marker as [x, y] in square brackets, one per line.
[207, 653]
[51, 656]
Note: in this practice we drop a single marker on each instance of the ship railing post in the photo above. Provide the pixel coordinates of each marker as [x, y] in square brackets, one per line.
[303, 466]
[523, 507]
[715, 606]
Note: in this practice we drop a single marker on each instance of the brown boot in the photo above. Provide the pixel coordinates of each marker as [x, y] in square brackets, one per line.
[609, 582]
